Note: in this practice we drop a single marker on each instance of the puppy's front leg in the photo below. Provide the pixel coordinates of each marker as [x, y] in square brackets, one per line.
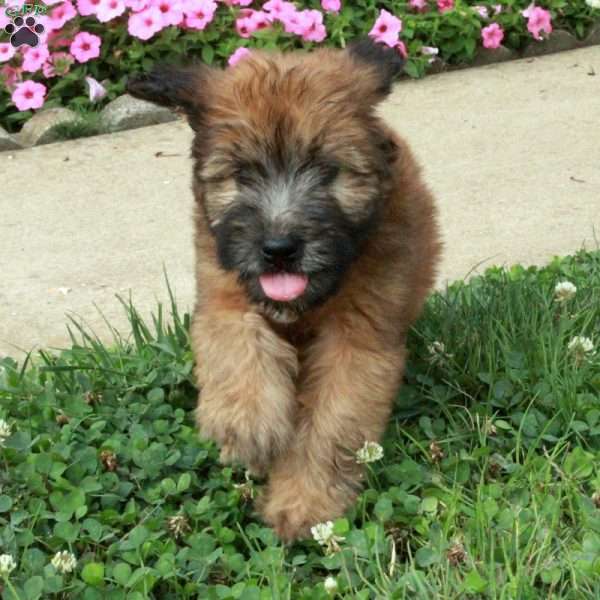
[246, 373]
[346, 397]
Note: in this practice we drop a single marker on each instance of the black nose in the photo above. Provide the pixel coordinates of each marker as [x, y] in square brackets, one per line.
[281, 248]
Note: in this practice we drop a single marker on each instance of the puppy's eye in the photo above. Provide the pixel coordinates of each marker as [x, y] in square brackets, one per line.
[250, 172]
[216, 176]
[346, 172]
[353, 171]
[243, 176]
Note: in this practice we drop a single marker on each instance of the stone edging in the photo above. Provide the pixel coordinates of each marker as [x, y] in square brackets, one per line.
[127, 112]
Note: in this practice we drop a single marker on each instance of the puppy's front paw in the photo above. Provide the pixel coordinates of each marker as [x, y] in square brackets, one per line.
[255, 456]
[247, 374]
[292, 524]
[244, 433]
[293, 505]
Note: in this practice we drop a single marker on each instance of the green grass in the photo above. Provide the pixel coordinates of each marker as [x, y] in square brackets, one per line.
[486, 489]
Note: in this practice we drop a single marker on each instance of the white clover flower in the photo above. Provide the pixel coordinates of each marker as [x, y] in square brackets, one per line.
[64, 561]
[370, 452]
[7, 565]
[331, 585]
[323, 534]
[564, 290]
[593, 3]
[437, 352]
[178, 525]
[5, 431]
[580, 345]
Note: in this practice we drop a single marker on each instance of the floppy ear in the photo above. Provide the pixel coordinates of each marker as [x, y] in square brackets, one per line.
[388, 62]
[178, 88]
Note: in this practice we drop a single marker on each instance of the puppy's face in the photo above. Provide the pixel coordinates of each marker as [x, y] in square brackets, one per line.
[291, 163]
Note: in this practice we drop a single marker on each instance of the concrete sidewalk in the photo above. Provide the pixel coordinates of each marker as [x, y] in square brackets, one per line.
[512, 152]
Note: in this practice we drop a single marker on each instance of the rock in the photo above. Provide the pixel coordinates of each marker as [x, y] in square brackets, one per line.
[488, 56]
[557, 41]
[7, 141]
[593, 37]
[41, 128]
[127, 112]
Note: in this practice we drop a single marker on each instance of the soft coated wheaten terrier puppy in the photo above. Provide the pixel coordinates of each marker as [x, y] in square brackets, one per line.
[316, 243]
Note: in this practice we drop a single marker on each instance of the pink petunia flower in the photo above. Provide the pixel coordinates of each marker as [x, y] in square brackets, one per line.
[261, 19]
[59, 15]
[245, 27]
[85, 46]
[386, 28]
[29, 94]
[238, 55]
[96, 89]
[170, 10]
[110, 9]
[312, 28]
[58, 64]
[58, 39]
[293, 22]
[238, 2]
[137, 5]
[7, 51]
[401, 47]
[10, 76]
[145, 24]
[497, 8]
[199, 13]
[419, 5]
[482, 11]
[527, 12]
[48, 70]
[492, 36]
[331, 5]
[88, 7]
[34, 58]
[279, 9]
[538, 20]
[445, 5]
[251, 21]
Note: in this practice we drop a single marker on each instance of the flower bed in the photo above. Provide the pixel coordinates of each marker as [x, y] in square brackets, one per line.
[88, 48]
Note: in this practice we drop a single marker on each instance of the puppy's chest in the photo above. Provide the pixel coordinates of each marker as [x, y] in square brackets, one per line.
[299, 332]
[278, 316]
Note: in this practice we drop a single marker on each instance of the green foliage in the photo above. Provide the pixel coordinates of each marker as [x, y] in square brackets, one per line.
[488, 487]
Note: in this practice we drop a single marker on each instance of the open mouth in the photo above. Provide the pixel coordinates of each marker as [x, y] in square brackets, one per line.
[283, 287]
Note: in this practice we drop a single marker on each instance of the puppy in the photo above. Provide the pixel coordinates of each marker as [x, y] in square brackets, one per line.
[316, 244]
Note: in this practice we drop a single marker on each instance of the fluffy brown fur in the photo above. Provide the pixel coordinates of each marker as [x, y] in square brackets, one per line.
[294, 389]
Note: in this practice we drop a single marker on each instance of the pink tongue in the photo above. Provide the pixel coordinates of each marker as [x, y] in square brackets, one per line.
[283, 286]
